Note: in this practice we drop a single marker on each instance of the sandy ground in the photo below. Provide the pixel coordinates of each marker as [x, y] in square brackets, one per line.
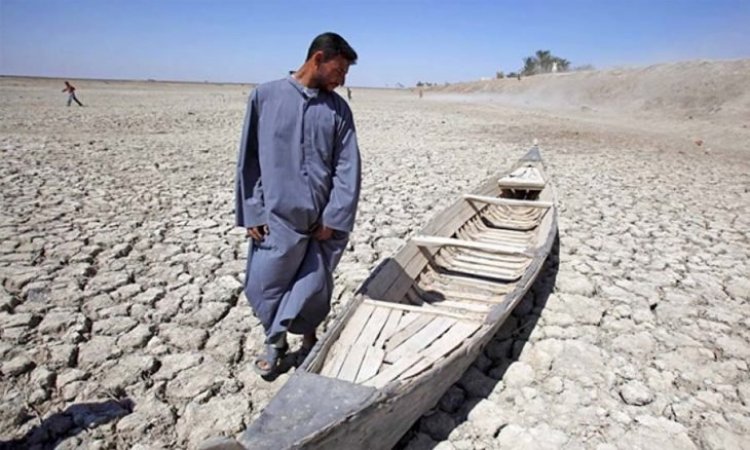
[123, 323]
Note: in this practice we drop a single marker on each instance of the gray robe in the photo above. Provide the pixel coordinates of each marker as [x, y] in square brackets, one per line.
[298, 166]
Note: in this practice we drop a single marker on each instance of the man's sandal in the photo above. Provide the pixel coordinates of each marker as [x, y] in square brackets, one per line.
[270, 359]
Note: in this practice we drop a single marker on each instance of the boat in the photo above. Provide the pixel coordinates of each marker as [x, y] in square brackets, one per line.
[417, 323]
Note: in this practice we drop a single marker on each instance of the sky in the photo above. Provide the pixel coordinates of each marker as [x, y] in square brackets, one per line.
[397, 41]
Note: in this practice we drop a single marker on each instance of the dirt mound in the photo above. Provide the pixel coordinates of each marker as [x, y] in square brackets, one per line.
[699, 89]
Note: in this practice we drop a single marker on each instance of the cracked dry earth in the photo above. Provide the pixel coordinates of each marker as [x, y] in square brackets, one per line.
[124, 326]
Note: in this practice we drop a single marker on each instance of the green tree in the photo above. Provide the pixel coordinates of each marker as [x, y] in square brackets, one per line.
[530, 65]
[543, 61]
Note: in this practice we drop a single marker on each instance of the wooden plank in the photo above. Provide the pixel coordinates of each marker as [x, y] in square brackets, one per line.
[415, 264]
[484, 258]
[356, 323]
[514, 238]
[489, 238]
[437, 300]
[420, 340]
[453, 280]
[394, 316]
[490, 299]
[471, 259]
[371, 364]
[354, 357]
[387, 275]
[334, 357]
[501, 259]
[346, 340]
[506, 201]
[461, 307]
[504, 217]
[404, 333]
[456, 336]
[407, 318]
[392, 372]
[437, 241]
[483, 269]
[365, 340]
[523, 178]
[486, 273]
[508, 235]
[373, 327]
[428, 312]
[409, 259]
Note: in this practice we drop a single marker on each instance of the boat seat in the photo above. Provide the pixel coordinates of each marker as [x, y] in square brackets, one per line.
[506, 201]
[523, 178]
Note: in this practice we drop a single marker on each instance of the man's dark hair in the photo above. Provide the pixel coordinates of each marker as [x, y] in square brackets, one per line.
[332, 46]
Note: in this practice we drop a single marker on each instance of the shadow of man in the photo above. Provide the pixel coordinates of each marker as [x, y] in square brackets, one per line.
[73, 420]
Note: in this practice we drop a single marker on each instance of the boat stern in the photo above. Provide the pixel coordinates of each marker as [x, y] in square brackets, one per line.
[305, 407]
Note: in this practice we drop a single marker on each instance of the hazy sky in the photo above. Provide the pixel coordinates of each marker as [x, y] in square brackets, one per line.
[397, 41]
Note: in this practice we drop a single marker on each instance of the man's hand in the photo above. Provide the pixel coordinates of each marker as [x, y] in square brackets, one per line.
[322, 233]
[258, 233]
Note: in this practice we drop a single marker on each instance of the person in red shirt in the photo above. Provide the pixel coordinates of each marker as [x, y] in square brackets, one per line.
[72, 96]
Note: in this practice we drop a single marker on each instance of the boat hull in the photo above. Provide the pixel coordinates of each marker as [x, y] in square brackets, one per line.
[318, 412]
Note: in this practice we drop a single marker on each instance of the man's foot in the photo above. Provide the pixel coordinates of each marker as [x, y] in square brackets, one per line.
[309, 341]
[265, 365]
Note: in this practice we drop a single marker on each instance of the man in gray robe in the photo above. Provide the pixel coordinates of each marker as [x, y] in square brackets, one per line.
[298, 181]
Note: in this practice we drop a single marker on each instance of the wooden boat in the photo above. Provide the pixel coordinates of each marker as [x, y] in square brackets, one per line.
[417, 322]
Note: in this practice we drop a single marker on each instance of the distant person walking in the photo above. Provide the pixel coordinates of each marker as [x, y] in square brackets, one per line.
[72, 93]
[348, 94]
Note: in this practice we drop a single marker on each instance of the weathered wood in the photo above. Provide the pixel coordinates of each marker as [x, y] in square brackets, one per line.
[506, 201]
[371, 364]
[453, 281]
[352, 362]
[422, 310]
[347, 339]
[374, 326]
[437, 241]
[484, 259]
[394, 316]
[495, 258]
[406, 319]
[470, 296]
[415, 382]
[477, 271]
[404, 333]
[448, 342]
[359, 349]
[483, 270]
[480, 259]
[392, 372]
[462, 308]
[420, 340]
[523, 178]
[514, 237]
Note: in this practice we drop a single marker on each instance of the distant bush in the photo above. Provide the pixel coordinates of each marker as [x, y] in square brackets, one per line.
[499, 75]
[543, 61]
